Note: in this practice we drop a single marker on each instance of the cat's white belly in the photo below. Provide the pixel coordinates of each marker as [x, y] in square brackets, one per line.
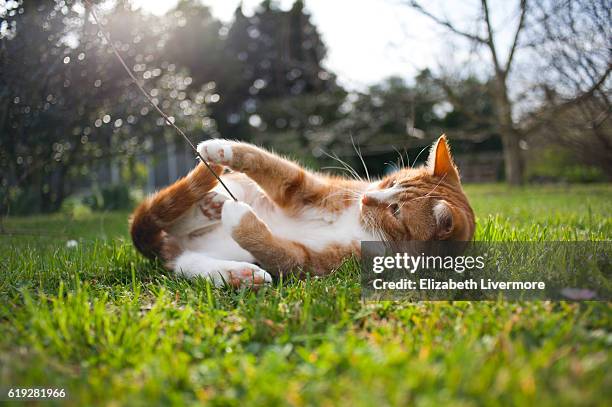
[317, 229]
[312, 227]
[218, 244]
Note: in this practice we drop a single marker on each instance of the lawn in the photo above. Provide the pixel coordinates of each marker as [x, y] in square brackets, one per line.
[109, 326]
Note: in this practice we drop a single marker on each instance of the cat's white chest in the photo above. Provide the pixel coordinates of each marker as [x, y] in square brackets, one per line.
[329, 217]
[316, 228]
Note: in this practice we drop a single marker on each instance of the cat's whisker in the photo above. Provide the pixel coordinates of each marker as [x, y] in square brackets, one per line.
[417, 157]
[358, 151]
[345, 198]
[346, 166]
[377, 229]
[354, 175]
[437, 185]
[401, 158]
[395, 165]
[350, 194]
[424, 197]
[429, 194]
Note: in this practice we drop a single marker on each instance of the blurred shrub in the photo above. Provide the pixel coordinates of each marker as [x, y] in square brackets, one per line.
[20, 201]
[75, 208]
[109, 198]
[557, 164]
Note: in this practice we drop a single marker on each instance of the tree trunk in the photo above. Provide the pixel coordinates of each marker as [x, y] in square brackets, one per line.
[513, 160]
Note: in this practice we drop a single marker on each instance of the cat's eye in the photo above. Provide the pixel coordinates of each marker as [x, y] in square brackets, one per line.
[395, 210]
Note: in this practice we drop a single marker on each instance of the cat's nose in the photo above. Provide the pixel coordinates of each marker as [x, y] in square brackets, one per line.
[369, 201]
[379, 197]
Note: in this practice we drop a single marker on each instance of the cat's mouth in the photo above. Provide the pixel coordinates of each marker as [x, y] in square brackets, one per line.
[380, 217]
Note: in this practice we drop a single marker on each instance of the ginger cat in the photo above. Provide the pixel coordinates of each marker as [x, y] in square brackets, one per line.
[289, 219]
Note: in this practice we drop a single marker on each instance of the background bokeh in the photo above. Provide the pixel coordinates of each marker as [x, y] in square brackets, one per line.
[521, 89]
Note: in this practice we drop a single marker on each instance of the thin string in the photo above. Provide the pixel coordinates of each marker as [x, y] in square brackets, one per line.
[150, 100]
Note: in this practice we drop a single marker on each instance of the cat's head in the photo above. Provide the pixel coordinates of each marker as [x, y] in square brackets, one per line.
[426, 203]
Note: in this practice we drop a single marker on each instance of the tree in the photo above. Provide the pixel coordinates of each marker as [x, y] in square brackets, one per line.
[501, 67]
[82, 119]
[279, 58]
[574, 57]
[395, 117]
[81, 112]
[532, 19]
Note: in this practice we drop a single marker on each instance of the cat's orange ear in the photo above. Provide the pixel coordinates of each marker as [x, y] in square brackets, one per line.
[441, 161]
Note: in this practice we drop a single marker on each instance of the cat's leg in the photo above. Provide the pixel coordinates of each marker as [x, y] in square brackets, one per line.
[278, 255]
[220, 272]
[203, 214]
[285, 182]
[157, 213]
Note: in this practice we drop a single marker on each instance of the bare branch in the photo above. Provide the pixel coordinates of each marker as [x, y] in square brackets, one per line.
[490, 41]
[553, 112]
[445, 23]
[521, 24]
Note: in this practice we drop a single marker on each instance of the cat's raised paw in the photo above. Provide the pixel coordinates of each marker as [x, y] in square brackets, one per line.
[233, 213]
[216, 151]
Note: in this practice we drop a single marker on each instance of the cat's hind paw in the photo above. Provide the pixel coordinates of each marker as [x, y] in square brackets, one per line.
[221, 273]
[248, 276]
[217, 151]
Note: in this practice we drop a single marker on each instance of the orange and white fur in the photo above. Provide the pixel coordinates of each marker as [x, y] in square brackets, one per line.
[289, 219]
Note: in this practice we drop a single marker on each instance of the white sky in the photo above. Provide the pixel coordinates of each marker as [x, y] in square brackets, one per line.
[369, 40]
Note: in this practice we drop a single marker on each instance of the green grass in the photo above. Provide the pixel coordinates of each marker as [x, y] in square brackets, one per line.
[108, 326]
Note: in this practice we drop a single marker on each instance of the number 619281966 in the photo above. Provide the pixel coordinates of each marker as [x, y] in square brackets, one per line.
[35, 393]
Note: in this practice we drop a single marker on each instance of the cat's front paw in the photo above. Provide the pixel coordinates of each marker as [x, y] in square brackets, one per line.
[233, 213]
[217, 151]
[211, 204]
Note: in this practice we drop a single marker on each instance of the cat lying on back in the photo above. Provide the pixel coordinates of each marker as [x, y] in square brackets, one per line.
[290, 219]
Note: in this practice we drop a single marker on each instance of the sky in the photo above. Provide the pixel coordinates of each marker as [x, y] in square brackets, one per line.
[369, 40]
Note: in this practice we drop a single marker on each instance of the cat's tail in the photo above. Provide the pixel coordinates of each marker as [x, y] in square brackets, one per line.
[163, 208]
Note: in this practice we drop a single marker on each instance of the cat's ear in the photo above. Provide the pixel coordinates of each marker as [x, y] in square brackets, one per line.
[440, 161]
[444, 219]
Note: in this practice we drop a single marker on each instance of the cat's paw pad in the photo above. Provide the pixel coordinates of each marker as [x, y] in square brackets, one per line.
[233, 212]
[216, 151]
[210, 206]
[248, 276]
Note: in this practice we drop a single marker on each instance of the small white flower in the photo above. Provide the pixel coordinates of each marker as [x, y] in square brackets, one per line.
[71, 243]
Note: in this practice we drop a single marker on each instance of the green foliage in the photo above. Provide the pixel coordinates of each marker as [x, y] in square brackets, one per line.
[59, 131]
[555, 163]
[113, 328]
[260, 73]
[20, 201]
[74, 208]
[396, 117]
[112, 197]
